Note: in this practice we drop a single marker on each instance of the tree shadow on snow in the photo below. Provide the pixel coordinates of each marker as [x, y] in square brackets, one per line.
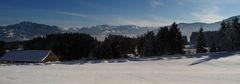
[213, 56]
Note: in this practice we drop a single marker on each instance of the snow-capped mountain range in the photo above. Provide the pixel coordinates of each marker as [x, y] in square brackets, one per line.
[28, 30]
[101, 31]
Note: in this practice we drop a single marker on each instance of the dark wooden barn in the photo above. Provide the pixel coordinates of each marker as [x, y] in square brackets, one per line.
[32, 56]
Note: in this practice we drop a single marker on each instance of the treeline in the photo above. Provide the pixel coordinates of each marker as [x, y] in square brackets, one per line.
[116, 46]
[227, 38]
[70, 46]
[2, 47]
[168, 40]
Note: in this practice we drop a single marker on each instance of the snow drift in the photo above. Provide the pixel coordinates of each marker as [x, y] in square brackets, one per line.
[217, 68]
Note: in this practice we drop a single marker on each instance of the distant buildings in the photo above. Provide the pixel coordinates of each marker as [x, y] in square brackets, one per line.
[190, 49]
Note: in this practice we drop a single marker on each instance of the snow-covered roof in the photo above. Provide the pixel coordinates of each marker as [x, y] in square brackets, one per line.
[26, 55]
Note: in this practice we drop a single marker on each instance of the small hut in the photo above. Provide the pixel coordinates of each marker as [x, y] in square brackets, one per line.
[29, 56]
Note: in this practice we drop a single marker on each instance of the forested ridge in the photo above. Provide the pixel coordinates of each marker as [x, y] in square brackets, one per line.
[167, 41]
[71, 46]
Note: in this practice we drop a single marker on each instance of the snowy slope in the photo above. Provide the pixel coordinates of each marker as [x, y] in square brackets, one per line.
[220, 68]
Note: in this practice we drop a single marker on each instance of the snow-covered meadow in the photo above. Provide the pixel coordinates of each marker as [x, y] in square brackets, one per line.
[220, 68]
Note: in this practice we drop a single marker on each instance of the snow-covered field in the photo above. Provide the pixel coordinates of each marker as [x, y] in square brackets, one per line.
[204, 70]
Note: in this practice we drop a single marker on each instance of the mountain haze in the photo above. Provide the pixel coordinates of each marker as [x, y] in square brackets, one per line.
[28, 30]
[102, 31]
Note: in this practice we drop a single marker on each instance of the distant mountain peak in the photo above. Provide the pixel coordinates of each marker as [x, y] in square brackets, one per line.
[26, 30]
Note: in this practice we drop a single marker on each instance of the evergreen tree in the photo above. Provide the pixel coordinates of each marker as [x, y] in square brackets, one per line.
[176, 40]
[226, 36]
[185, 40]
[229, 35]
[213, 48]
[149, 44]
[2, 47]
[116, 48]
[236, 33]
[221, 35]
[223, 26]
[140, 45]
[162, 41]
[201, 42]
[169, 40]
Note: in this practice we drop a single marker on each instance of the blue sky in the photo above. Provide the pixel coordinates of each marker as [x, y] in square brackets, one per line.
[78, 13]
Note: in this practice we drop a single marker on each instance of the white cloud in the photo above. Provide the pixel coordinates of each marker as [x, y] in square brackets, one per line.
[74, 14]
[156, 3]
[180, 3]
[208, 10]
[208, 15]
[154, 22]
[138, 22]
